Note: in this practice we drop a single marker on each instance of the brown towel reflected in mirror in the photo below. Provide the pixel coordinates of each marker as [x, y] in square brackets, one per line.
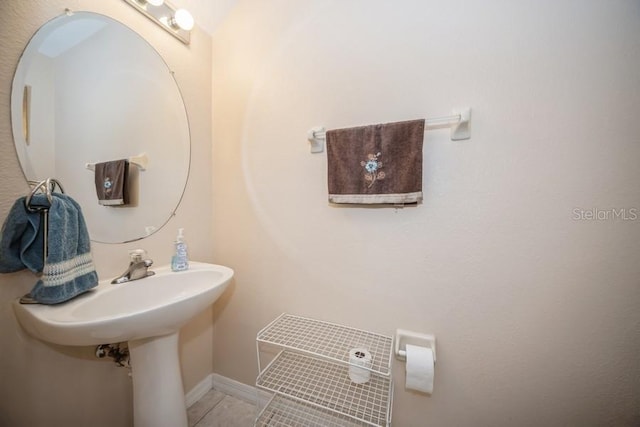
[111, 182]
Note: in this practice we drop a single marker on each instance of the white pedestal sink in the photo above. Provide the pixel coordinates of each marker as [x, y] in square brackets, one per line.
[148, 314]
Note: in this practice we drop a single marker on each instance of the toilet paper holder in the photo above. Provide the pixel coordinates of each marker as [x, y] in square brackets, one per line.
[404, 337]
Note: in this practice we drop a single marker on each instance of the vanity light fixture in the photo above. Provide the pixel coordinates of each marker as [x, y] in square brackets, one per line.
[177, 22]
[182, 19]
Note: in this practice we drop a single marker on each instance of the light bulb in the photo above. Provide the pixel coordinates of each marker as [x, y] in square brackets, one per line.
[155, 2]
[183, 19]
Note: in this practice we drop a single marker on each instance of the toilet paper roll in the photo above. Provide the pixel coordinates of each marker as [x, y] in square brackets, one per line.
[420, 369]
[360, 357]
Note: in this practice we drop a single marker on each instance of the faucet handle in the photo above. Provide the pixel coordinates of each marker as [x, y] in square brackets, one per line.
[136, 255]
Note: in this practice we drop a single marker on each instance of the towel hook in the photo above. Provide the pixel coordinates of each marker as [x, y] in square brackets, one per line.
[47, 186]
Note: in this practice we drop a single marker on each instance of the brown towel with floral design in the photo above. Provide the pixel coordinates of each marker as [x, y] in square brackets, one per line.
[111, 182]
[377, 164]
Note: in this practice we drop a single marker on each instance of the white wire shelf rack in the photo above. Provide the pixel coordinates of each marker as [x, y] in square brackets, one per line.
[327, 340]
[284, 412]
[325, 384]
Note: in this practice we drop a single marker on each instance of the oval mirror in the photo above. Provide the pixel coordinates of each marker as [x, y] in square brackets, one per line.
[88, 90]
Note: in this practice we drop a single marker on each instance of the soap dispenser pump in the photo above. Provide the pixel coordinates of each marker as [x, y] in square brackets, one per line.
[180, 259]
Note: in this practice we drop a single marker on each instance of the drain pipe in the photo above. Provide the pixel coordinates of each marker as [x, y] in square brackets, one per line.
[118, 352]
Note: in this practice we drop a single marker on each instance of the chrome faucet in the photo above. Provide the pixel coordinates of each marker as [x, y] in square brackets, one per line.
[138, 268]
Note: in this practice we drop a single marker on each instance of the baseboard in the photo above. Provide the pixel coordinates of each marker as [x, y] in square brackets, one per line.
[199, 390]
[236, 389]
[227, 386]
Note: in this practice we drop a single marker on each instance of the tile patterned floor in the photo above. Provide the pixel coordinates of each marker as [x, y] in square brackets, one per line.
[216, 409]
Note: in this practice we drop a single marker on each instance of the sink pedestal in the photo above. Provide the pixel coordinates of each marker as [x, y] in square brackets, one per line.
[158, 395]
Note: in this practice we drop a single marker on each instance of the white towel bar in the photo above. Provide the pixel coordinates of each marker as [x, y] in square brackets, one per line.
[140, 161]
[458, 122]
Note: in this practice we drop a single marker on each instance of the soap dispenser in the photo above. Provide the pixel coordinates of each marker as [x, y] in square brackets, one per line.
[180, 259]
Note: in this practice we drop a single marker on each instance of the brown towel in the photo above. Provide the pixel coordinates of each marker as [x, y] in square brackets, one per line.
[377, 164]
[111, 182]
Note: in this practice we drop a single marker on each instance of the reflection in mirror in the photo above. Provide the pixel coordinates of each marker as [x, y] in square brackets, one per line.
[99, 92]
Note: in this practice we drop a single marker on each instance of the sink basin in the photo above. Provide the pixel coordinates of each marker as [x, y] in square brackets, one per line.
[148, 314]
[154, 306]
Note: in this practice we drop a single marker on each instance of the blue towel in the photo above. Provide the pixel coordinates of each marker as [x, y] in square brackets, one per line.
[68, 270]
[22, 237]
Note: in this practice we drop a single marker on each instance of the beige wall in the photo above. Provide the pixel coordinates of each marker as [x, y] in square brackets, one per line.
[536, 311]
[55, 386]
